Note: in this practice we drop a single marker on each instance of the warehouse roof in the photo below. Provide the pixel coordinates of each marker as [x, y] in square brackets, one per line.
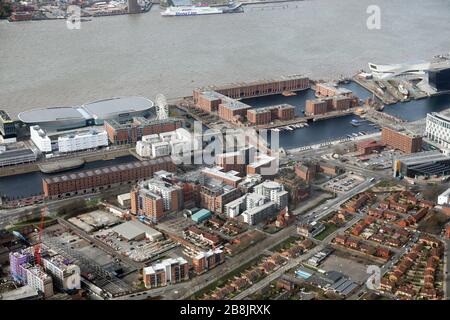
[104, 170]
[50, 115]
[132, 229]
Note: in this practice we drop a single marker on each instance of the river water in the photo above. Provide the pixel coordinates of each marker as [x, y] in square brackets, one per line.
[42, 63]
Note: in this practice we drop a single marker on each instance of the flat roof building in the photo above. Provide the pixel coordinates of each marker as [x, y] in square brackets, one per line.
[7, 126]
[135, 230]
[16, 156]
[429, 163]
[89, 181]
[201, 215]
[155, 198]
[438, 130]
[401, 140]
[168, 271]
[131, 131]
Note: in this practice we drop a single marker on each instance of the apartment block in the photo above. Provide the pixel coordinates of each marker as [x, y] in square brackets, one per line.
[130, 132]
[168, 271]
[155, 198]
[89, 181]
[401, 140]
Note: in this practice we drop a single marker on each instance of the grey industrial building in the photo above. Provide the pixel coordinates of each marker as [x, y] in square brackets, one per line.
[17, 156]
[428, 164]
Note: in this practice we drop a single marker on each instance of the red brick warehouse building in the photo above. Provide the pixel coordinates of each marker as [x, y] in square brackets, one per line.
[130, 132]
[223, 99]
[260, 116]
[89, 181]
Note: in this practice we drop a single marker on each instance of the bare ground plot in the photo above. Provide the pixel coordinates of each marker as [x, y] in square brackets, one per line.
[354, 269]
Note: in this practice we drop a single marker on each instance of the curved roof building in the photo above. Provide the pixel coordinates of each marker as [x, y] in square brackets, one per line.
[56, 118]
[92, 113]
[118, 108]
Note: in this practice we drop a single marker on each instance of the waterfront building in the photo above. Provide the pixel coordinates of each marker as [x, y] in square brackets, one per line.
[130, 132]
[258, 88]
[122, 109]
[91, 139]
[329, 89]
[16, 156]
[165, 143]
[155, 198]
[40, 139]
[315, 107]
[7, 128]
[439, 79]
[401, 140]
[209, 101]
[168, 271]
[261, 116]
[233, 110]
[366, 147]
[208, 260]
[438, 130]
[428, 164]
[95, 180]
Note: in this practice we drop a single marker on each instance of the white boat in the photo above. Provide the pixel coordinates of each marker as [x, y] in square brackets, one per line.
[289, 128]
[196, 10]
[276, 130]
[306, 125]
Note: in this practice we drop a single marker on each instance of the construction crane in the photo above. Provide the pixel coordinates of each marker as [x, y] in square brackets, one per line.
[38, 246]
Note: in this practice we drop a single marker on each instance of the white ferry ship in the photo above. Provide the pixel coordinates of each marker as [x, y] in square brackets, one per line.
[200, 9]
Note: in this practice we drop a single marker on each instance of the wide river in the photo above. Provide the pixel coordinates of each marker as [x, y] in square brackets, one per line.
[42, 63]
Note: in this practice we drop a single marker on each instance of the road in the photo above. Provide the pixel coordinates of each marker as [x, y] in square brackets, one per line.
[333, 204]
[294, 262]
[324, 209]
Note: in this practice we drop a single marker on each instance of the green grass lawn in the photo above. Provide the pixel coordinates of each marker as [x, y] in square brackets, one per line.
[329, 229]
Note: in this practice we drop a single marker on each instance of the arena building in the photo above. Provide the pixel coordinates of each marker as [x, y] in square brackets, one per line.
[121, 109]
